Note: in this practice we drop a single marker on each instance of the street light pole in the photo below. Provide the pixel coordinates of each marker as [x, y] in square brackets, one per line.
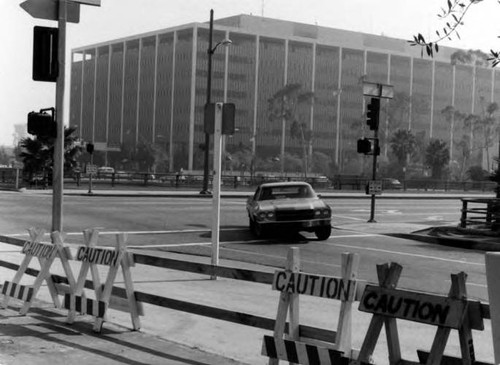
[210, 52]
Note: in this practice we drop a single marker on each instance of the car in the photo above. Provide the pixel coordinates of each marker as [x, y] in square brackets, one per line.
[288, 206]
[390, 183]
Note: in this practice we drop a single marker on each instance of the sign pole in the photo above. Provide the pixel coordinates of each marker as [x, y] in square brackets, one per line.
[374, 175]
[58, 168]
[216, 185]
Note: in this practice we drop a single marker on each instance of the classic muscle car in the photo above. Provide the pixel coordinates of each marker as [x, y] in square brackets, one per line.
[288, 206]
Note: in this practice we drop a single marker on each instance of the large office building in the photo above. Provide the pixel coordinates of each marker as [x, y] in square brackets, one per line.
[151, 89]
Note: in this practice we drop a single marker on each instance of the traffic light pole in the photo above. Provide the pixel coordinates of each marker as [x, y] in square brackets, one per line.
[58, 167]
[374, 175]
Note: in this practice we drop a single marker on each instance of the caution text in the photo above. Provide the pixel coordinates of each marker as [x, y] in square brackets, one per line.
[315, 285]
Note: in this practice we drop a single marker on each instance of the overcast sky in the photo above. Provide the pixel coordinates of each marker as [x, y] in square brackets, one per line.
[120, 18]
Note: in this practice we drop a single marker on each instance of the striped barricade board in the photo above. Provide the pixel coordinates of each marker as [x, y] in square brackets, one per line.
[90, 257]
[301, 353]
[291, 283]
[46, 253]
[387, 304]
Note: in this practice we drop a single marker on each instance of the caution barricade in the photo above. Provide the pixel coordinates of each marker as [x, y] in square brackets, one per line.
[46, 254]
[387, 304]
[294, 348]
[91, 256]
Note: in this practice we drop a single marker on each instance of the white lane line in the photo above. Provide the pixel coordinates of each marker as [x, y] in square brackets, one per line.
[166, 245]
[356, 235]
[172, 245]
[407, 254]
[137, 232]
[347, 217]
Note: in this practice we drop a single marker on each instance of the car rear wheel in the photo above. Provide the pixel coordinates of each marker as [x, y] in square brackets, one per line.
[322, 233]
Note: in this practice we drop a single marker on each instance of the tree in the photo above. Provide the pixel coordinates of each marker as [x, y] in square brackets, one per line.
[437, 157]
[495, 176]
[282, 106]
[37, 153]
[4, 156]
[403, 144]
[488, 127]
[453, 16]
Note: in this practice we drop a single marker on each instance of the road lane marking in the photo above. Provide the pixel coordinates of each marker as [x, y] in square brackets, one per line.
[406, 254]
[347, 217]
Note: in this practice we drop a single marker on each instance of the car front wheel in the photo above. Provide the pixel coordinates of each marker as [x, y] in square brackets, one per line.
[322, 233]
[257, 229]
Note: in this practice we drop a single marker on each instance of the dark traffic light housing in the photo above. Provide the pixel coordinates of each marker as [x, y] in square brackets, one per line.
[372, 114]
[45, 60]
[90, 148]
[366, 147]
[42, 124]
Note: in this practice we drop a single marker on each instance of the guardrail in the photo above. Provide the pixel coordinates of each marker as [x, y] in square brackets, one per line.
[486, 215]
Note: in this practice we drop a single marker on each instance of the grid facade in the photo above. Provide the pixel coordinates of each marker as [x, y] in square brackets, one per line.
[152, 89]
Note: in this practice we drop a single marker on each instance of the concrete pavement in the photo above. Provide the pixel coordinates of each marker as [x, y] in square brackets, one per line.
[173, 337]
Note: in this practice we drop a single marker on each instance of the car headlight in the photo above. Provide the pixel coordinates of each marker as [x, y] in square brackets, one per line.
[322, 213]
[266, 215]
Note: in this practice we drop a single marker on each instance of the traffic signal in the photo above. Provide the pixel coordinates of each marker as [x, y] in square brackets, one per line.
[372, 114]
[364, 146]
[45, 61]
[90, 147]
[41, 124]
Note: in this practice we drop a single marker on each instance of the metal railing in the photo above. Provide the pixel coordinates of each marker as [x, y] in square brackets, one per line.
[480, 213]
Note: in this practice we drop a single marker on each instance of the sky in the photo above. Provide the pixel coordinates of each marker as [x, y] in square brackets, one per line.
[19, 94]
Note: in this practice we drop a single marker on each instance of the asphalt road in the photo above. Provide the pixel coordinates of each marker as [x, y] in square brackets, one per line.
[183, 225]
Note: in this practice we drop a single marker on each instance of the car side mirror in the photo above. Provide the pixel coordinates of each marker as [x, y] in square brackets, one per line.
[318, 195]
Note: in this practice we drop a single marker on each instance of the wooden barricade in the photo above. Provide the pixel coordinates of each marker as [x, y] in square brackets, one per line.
[291, 283]
[387, 303]
[91, 256]
[46, 254]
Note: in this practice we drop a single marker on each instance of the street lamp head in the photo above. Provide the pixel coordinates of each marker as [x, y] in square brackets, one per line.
[225, 42]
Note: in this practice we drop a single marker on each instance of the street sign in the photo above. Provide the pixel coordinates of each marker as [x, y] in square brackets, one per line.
[88, 2]
[378, 90]
[48, 9]
[375, 187]
[91, 169]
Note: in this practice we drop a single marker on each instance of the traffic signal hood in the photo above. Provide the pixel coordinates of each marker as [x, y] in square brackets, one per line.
[41, 124]
[372, 114]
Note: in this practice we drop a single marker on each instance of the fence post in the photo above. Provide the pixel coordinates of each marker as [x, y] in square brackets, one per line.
[492, 274]
[463, 217]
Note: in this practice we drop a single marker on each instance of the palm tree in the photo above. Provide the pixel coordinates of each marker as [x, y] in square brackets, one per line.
[282, 106]
[437, 157]
[37, 153]
[403, 144]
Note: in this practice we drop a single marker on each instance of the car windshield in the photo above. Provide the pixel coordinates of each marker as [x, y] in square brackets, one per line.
[286, 192]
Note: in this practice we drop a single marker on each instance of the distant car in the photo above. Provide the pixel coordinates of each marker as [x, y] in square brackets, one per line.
[105, 172]
[390, 183]
[288, 206]
[106, 169]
